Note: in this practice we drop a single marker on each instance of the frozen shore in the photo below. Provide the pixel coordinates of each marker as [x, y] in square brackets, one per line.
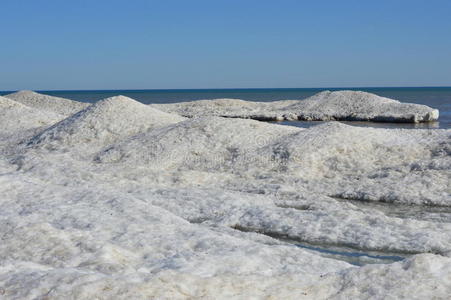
[124, 200]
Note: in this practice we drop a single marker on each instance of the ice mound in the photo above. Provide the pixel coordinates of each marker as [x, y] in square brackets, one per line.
[61, 106]
[389, 165]
[230, 108]
[338, 105]
[15, 116]
[360, 106]
[334, 148]
[103, 123]
[210, 142]
[233, 108]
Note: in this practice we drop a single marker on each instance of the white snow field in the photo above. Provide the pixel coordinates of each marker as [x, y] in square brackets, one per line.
[120, 200]
[324, 106]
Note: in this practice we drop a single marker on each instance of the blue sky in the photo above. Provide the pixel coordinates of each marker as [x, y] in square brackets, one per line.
[223, 44]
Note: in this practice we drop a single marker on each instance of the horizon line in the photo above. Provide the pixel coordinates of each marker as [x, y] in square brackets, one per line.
[248, 88]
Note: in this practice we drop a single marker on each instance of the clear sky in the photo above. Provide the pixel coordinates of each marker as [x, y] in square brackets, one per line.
[137, 44]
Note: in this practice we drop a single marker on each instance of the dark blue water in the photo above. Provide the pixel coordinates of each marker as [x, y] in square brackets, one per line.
[436, 97]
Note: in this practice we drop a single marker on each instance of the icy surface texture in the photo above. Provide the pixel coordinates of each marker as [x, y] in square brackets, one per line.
[324, 106]
[123, 201]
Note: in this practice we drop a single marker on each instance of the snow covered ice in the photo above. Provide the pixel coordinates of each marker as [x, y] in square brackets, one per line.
[61, 106]
[123, 200]
[324, 106]
[103, 123]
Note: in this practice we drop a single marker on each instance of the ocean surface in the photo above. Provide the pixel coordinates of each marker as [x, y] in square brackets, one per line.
[436, 97]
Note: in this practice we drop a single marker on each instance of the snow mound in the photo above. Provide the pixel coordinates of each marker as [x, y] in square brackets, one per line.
[216, 107]
[15, 116]
[230, 108]
[335, 148]
[389, 165]
[201, 142]
[338, 105]
[360, 106]
[61, 106]
[103, 123]
[210, 142]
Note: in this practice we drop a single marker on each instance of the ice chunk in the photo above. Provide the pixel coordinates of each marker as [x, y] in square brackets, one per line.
[338, 105]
